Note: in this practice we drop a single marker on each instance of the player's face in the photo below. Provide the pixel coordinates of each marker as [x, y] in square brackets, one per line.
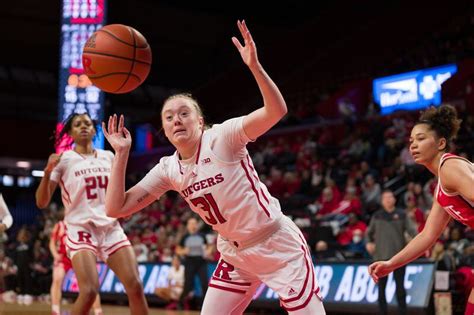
[82, 129]
[181, 121]
[424, 145]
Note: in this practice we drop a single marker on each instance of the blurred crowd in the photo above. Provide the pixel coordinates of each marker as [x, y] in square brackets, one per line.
[329, 181]
[328, 176]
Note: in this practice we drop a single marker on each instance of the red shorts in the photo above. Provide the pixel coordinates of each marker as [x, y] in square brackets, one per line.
[65, 263]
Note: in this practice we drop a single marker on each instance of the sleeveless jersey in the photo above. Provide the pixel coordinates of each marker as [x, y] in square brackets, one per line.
[219, 183]
[83, 180]
[457, 206]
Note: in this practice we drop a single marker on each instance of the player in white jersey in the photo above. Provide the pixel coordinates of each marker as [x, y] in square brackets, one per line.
[83, 175]
[213, 172]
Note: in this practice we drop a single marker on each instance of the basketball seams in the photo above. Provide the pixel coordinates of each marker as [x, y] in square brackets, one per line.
[121, 40]
[115, 73]
[133, 61]
[115, 56]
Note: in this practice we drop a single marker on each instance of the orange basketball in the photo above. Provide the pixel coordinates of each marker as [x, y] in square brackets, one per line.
[117, 58]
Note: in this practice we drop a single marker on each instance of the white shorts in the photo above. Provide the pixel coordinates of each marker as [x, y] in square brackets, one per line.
[282, 261]
[103, 241]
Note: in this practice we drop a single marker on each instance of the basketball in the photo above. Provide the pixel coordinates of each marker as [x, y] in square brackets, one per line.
[116, 58]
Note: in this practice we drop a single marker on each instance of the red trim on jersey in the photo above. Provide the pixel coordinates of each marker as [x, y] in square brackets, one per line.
[226, 289]
[249, 161]
[75, 243]
[120, 242]
[312, 287]
[253, 188]
[63, 187]
[231, 282]
[81, 248]
[291, 309]
[113, 252]
[305, 281]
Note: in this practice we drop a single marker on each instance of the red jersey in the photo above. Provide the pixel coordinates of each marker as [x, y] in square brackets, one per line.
[59, 236]
[456, 205]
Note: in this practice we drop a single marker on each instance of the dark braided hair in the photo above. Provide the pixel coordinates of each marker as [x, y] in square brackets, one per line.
[443, 121]
[67, 126]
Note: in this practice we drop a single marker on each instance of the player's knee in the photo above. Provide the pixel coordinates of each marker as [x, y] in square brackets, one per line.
[134, 286]
[89, 291]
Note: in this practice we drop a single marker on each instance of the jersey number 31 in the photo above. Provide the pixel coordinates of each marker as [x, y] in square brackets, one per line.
[209, 205]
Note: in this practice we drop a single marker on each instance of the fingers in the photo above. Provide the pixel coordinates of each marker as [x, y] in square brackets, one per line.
[104, 130]
[237, 43]
[109, 127]
[121, 123]
[247, 34]
[126, 133]
[114, 124]
[241, 29]
[244, 31]
[373, 272]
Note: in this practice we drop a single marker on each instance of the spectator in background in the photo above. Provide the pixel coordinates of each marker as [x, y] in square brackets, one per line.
[385, 237]
[23, 259]
[140, 249]
[8, 272]
[371, 192]
[351, 237]
[194, 250]
[443, 256]
[415, 214]
[172, 292]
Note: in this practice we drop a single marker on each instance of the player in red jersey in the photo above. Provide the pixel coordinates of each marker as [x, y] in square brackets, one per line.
[454, 194]
[62, 264]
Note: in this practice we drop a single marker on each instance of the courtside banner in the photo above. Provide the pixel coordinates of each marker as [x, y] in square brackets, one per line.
[340, 283]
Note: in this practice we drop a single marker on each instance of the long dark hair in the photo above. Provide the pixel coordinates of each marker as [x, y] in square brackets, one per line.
[62, 135]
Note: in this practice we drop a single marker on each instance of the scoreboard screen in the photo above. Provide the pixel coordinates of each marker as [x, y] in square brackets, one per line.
[80, 18]
[411, 90]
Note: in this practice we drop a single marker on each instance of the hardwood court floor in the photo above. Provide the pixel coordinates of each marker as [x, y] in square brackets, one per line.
[45, 309]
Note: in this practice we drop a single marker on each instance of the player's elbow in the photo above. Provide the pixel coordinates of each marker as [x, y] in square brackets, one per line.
[112, 212]
[283, 110]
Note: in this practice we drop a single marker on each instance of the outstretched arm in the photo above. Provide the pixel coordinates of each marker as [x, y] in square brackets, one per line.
[119, 203]
[274, 107]
[435, 224]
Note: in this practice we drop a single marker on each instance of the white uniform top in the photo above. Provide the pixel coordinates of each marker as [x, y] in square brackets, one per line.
[219, 183]
[176, 277]
[83, 180]
[5, 216]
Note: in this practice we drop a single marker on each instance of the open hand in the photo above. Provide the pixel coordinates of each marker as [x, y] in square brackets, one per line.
[248, 52]
[117, 135]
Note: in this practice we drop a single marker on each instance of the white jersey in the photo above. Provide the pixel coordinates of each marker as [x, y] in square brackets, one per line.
[83, 180]
[219, 183]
